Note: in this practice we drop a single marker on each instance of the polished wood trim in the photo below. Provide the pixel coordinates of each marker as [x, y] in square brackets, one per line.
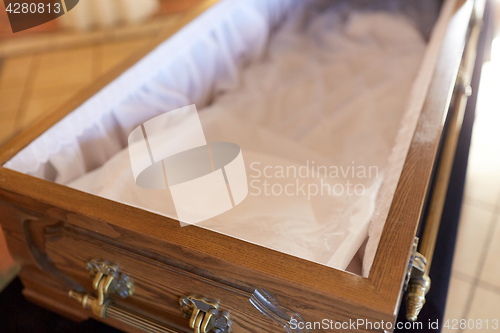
[205, 253]
[157, 286]
[411, 193]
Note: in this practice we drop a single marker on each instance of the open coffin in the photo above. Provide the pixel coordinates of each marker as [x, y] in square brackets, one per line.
[322, 97]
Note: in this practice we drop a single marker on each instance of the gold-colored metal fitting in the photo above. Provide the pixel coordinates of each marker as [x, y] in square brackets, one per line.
[106, 280]
[204, 315]
[418, 287]
[410, 263]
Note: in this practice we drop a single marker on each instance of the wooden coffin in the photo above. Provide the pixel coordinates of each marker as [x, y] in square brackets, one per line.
[64, 238]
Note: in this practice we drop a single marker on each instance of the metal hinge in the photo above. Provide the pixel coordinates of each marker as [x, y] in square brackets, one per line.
[410, 263]
[106, 280]
[204, 315]
[417, 282]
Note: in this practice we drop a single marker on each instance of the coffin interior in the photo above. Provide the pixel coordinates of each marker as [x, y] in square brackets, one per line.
[214, 60]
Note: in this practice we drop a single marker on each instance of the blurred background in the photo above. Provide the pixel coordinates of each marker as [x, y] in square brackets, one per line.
[42, 67]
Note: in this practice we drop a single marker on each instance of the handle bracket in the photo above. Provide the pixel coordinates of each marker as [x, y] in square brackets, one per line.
[106, 280]
[205, 315]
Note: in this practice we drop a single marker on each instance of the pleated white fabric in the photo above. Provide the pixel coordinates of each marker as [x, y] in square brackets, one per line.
[293, 83]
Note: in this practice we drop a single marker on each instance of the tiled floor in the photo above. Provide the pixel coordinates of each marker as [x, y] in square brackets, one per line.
[33, 85]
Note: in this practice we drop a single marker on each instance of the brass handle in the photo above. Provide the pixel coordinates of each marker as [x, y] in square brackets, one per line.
[420, 281]
[205, 316]
[112, 310]
[107, 279]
